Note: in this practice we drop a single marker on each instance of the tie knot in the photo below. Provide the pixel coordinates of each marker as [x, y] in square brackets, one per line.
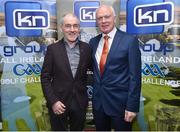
[106, 37]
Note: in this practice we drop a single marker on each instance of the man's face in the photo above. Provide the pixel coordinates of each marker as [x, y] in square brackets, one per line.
[70, 29]
[105, 19]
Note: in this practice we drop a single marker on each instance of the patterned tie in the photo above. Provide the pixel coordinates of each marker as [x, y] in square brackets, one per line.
[104, 54]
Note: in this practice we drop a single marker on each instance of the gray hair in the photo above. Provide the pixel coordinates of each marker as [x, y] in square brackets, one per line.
[67, 15]
[107, 6]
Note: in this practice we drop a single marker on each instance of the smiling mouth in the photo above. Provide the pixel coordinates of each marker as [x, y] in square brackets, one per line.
[104, 26]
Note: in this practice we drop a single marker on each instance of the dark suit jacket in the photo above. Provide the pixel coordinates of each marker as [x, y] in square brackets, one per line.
[119, 86]
[56, 77]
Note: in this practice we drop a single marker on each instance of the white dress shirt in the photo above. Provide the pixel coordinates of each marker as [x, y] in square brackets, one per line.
[101, 44]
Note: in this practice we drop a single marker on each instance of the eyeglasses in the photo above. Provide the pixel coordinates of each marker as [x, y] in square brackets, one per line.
[69, 26]
[105, 17]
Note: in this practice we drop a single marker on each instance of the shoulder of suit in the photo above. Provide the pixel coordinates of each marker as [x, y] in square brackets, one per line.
[57, 43]
[84, 44]
[98, 36]
[128, 36]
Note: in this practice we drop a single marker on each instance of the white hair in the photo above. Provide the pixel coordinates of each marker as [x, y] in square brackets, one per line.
[106, 6]
[68, 15]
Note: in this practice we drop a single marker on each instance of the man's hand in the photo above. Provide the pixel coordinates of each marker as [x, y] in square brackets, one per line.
[58, 108]
[129, 116]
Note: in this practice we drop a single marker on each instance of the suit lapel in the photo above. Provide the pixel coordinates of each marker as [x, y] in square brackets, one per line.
[81, 51]
[94, 54]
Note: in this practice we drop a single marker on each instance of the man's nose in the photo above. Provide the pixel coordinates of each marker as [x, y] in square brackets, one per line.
[72, 28]
[103, 19]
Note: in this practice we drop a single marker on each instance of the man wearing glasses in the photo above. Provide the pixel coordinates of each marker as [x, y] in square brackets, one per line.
[63, 77]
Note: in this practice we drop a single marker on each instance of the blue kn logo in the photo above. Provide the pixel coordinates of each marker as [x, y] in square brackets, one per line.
[154, 14]
[31, 19]
[25, 18]
[86, 12]
[142, 17]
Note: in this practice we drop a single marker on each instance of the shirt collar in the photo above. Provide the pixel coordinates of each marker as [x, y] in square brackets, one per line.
[111, 34]
[71, 45]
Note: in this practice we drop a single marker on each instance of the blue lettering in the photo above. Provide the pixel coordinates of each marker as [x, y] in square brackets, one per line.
[11, 50]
